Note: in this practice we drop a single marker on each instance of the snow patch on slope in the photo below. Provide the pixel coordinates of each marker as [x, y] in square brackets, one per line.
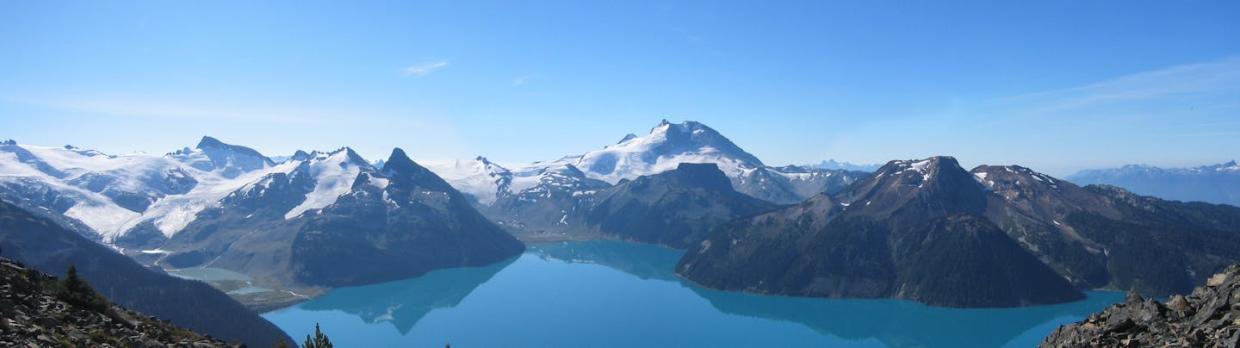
[478, 177]
[333, 175]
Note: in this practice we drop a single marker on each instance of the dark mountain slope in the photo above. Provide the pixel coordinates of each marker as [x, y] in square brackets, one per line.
[1100, 236]
[676, 208]
[400, 223]
[31, 300]
[998, 236]
[914, 230]
[47, 246]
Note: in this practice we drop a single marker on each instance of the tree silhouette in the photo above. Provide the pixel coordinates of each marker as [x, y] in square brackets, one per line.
[319, 340]
[76, 291]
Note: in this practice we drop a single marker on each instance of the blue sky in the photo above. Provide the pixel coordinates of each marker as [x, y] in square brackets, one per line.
[1054, 85]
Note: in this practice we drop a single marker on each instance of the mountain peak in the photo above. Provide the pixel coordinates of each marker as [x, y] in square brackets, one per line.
[627, 137]
[398, 161]
[927, 167]
[300, 155]
[938, 182]
[209, 142]
[667, 145]
[230, 160]
[684, 126]
[352, 156]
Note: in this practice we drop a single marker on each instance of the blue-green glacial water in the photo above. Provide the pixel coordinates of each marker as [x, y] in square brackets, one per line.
[616, 294]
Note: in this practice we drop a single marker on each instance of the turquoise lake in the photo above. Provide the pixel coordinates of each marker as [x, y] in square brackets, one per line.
[616, 294]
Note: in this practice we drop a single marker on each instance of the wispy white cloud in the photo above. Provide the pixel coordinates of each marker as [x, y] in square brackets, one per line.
[523, 79]
[1198, 80]
[423, 69]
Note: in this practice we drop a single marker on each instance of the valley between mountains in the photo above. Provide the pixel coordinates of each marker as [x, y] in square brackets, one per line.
[927, 230]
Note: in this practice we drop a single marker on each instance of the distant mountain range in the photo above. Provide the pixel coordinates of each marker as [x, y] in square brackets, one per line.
[926, 230]
[834, 165]
[665, 147]
[550, 200]
[1218, 183]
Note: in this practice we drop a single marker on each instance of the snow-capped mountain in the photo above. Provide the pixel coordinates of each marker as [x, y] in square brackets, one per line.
[665, 147]
[312, 219]
[670, 144]
[140, 200]
[1218, 183]
[546, 200]
[318, 223]
[113, 193]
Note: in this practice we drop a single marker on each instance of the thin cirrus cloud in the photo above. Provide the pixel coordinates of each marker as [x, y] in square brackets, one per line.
[523, 79]
[423, 69]
[1206, 80]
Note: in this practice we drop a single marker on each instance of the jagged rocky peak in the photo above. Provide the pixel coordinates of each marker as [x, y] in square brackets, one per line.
[398, 161]
[349, 156]
[300, 156]
[400, 167]
[9, 142]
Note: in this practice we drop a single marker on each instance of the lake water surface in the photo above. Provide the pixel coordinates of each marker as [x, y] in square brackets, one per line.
[616, 294]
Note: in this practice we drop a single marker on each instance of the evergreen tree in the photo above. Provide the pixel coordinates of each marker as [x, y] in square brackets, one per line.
[78, 292]
[319, 340]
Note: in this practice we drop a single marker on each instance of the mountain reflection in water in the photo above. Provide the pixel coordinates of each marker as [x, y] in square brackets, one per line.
[609, 293]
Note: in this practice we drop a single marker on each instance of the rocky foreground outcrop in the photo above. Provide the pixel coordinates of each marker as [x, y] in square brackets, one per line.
[34, 313]
[1209, 317]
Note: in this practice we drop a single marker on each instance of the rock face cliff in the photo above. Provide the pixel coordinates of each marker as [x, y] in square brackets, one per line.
[1209, 317]
[36, 310]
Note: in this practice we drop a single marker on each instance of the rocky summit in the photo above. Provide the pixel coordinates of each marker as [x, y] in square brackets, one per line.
[36, 310]
[1209, 317]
